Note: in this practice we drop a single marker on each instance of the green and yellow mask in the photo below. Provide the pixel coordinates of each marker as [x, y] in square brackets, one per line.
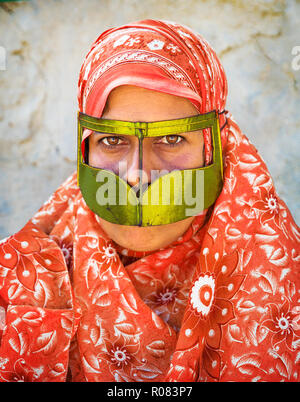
[169, 198]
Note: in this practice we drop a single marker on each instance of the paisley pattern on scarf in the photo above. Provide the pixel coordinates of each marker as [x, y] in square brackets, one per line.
[221, 303]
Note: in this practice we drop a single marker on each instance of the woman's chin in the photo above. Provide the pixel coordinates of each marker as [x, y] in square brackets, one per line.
[145, 238]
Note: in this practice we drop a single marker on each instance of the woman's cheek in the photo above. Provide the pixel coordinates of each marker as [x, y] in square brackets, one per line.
[185, 161]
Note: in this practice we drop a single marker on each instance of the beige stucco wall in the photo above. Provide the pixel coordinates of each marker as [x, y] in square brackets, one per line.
[42, 45]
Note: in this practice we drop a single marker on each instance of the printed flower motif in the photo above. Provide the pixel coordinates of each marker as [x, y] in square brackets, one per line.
[120, 355]
[155, 44]
[166, 296]
[209, 301]
[281, 324]
[202, 294]
[165, 293]
[169, 297]
[106, 257]
[268, 207]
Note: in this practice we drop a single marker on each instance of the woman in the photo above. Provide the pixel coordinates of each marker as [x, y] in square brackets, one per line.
[109, 290]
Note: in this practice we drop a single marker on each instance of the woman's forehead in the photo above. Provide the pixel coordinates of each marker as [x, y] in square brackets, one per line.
[133, 103]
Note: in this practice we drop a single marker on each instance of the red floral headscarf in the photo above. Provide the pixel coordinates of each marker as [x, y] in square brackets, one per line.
[157, 55]
[218, 304]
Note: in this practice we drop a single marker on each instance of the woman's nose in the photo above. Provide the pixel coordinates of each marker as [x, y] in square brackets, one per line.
[137, 171]
[132, 166]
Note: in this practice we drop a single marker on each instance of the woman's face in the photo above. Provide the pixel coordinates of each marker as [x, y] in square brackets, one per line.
[170, 152]
[166, 153]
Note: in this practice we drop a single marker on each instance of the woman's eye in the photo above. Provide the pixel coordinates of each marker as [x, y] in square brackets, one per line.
[171, 139]
[111, 141]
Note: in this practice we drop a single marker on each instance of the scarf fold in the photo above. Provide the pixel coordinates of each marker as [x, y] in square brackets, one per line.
[218, 304]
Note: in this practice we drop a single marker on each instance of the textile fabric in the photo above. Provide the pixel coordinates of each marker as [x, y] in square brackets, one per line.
[221, 303]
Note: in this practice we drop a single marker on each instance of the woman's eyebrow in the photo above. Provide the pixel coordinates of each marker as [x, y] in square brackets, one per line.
[97, 133]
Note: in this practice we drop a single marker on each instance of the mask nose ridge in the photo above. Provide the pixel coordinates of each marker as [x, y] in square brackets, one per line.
[131, 171]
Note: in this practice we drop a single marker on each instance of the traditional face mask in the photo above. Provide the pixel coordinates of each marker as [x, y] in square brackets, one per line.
[169, 198]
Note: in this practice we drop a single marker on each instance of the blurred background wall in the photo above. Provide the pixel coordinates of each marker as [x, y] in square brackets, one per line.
[42, 46]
